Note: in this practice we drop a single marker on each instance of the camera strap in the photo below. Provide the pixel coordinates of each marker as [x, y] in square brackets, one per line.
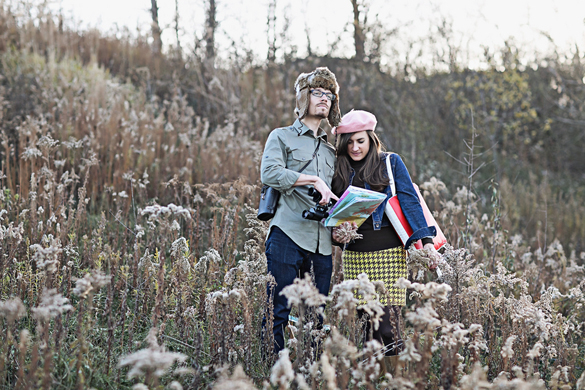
[312, 158]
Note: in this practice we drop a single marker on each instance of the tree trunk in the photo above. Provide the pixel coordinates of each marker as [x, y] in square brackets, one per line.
[156, 31]
[308, 35]
[210, 27]
[177, 27]
[271, 33]
[358, 32]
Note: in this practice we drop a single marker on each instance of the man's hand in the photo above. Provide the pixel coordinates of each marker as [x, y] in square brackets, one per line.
[319, 184]
[434, 256]
[326, 194]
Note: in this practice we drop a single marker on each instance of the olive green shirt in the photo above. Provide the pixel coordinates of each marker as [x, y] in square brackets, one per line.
[287, 150]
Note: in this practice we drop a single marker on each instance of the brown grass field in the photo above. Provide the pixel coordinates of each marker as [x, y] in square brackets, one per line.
[130, 255]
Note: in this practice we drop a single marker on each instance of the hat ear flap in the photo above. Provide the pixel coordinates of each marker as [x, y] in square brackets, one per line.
[302, 103]
[334, 116]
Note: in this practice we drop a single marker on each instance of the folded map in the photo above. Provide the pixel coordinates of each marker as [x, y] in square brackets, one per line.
[355, 205]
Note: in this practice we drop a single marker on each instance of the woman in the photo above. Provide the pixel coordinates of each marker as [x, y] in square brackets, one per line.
[380, 254]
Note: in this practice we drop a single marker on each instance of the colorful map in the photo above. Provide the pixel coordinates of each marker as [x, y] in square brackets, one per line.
[355, 205]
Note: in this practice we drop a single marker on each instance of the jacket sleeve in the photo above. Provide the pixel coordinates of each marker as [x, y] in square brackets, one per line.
[409, 203]
[273, 171]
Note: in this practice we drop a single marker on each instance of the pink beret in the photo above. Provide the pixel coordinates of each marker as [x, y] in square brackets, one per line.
[355, 121]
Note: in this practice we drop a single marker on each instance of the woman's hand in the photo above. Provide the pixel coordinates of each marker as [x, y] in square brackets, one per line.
[345, 233]
[434, 256]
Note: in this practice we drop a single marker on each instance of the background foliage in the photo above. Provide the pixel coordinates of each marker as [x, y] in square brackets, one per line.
[127, 175]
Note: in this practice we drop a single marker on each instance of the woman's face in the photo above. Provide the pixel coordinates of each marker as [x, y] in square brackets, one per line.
[358, 146]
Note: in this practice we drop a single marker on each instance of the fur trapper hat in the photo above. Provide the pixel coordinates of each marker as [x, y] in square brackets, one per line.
[319, 78]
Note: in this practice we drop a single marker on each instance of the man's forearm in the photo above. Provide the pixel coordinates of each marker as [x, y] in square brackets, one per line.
[306, 180]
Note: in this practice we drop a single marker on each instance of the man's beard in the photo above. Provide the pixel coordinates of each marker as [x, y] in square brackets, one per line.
[322, 115]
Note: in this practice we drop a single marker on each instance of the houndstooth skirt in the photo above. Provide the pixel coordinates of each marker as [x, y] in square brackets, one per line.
[386, 265]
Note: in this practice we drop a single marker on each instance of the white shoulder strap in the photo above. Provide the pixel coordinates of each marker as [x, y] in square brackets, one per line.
[390, 175]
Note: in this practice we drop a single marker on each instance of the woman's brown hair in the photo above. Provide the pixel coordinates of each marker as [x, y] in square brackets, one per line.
[372, 172]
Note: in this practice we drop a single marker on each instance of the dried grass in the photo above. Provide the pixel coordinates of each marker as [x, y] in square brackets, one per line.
[126, 218]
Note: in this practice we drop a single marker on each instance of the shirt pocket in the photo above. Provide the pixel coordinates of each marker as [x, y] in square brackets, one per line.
[298, 158]
[329, 170]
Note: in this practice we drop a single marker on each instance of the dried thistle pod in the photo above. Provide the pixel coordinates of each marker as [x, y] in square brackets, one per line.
[347, 232]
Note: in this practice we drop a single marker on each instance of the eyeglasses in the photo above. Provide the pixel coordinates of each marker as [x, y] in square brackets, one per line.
[317, 93]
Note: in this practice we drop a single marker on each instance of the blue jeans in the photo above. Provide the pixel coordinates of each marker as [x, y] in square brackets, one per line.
[287, 261]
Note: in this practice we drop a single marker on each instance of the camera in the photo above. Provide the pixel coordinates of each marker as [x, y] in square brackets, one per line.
[317, 212]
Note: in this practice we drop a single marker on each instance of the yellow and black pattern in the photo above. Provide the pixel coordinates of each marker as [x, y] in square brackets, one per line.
[386, 265]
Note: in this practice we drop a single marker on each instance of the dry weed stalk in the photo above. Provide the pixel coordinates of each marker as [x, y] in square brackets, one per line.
[151, 362]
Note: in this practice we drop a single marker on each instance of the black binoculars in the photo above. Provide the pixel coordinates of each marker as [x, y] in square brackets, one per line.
[317, 212]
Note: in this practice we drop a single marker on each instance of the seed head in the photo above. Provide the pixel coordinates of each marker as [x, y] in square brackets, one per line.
[153, 359]
[282, 373]
[12, 309]
[303, 291]
[52, 304]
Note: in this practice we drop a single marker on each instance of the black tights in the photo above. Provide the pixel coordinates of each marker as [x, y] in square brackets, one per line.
[388, 333]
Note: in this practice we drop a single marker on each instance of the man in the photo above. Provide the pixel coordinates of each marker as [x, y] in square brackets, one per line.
[296, 245]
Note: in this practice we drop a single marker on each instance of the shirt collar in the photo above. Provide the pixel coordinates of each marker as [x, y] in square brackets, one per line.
[301, 129]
